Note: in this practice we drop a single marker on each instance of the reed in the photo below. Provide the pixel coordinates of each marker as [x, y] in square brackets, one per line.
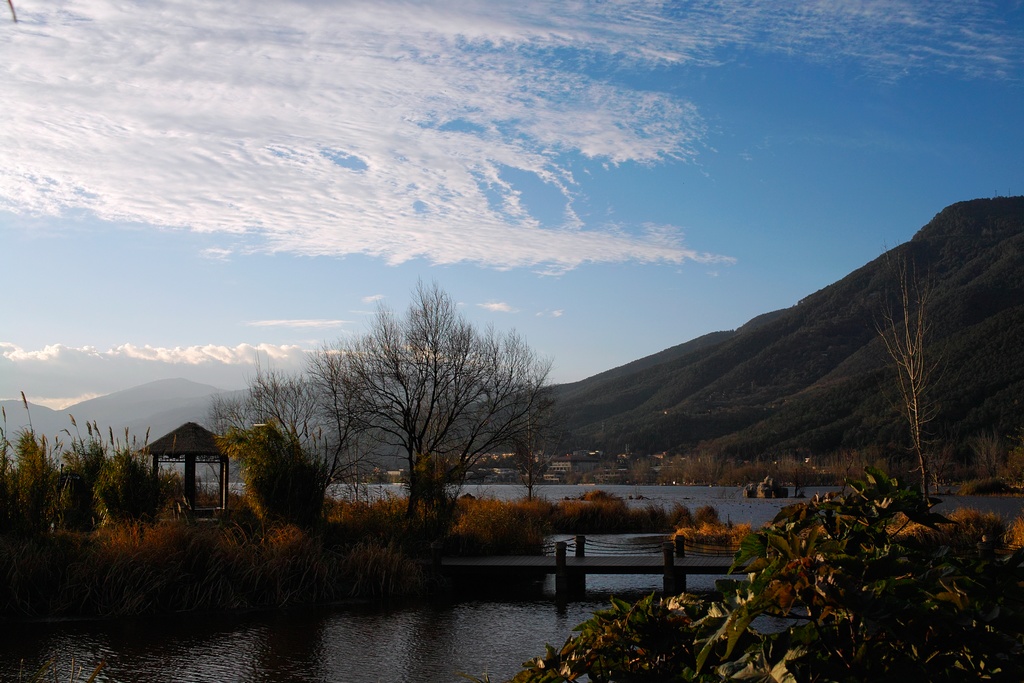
[984, 487]
[381, 571]
[488, 526]
[705, 527]
[351, 521]
[717, 534]
[601, 512]
[967, 528]
[133, 569]
[1014, 536]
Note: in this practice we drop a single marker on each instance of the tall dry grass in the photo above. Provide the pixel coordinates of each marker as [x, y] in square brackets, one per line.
[705, 527]
[378, 571]
[492, 527]
[173, 567]
[599, 512]
[967, 528]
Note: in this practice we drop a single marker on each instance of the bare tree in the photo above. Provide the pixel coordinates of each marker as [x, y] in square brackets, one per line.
[989, 453]
[439, 391]
[904, 331]
[313, 417]
[531, 453]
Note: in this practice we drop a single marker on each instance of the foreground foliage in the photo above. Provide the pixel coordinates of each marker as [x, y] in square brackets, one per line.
[837, 591]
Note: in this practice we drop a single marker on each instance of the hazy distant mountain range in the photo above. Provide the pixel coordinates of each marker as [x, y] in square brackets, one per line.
[158, 407]
[813, 376]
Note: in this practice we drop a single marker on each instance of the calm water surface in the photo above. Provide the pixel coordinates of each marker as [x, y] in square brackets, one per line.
[426, 641]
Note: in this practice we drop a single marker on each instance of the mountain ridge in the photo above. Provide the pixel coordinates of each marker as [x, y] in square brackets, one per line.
[146, 410]
[813, 375]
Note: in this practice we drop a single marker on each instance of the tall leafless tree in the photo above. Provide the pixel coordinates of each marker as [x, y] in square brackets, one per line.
[904, 330]
[438, 390]
[532, 446]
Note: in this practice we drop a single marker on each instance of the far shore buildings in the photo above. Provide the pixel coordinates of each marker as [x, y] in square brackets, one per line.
[575, 464]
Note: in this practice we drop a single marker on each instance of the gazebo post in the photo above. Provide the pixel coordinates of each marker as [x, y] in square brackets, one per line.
[224, 482]
[190, 480]
[190, 444]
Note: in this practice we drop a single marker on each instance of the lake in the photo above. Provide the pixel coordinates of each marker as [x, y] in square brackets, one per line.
[431, 640]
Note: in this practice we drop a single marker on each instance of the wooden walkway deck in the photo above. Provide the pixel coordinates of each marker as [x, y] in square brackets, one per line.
[606, 564]
[571, 571]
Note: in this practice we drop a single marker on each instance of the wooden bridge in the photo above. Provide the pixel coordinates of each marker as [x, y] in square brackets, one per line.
[674, 563]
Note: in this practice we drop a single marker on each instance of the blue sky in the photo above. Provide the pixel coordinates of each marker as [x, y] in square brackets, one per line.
[186, 186]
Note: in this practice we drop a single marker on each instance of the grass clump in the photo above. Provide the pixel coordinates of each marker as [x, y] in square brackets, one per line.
[965, 530]
[985, 487]
[490, 527]
[600, 512]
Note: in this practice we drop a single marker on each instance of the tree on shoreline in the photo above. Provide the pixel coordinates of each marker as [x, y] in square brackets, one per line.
[904, 329]
[432, 387]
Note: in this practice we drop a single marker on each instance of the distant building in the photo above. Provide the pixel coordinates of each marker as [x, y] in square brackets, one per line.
[577, 463]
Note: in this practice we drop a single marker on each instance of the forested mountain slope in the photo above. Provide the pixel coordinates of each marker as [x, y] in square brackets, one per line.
[816, 376]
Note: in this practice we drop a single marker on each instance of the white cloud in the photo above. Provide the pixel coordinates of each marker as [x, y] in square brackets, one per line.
[373, 298]
[384, 128]
[498, 307]
[54, 373]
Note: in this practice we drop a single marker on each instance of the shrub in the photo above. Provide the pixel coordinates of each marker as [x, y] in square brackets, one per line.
[284, 481]
[861, 603]
[126, 490]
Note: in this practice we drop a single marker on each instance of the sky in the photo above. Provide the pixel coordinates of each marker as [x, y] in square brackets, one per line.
[187, 188]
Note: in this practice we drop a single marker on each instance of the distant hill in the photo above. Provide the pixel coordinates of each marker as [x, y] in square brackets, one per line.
[815, 376]
[156, 407]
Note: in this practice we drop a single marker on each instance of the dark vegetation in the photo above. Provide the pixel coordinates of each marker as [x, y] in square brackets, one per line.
[815, 377]
[868, 586]
[87, 531]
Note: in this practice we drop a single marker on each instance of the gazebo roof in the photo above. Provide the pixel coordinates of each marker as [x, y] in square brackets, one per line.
[188, 439]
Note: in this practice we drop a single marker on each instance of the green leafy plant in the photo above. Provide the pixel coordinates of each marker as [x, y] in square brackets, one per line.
[852, 596]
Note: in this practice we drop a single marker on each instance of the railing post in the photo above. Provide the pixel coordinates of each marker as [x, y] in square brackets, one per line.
[674, 580]
[581, 545]
[986, 549]
[680, 542]
[436, 548]
[561, 578]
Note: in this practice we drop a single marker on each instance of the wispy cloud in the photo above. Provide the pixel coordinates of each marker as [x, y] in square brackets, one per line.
[387, 128]
[498, 307]
[315, 323]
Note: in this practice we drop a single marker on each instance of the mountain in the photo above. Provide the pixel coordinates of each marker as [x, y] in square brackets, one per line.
[816, 376]
[155, 408]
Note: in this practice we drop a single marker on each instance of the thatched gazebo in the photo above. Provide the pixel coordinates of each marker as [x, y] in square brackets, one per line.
[191, 443]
